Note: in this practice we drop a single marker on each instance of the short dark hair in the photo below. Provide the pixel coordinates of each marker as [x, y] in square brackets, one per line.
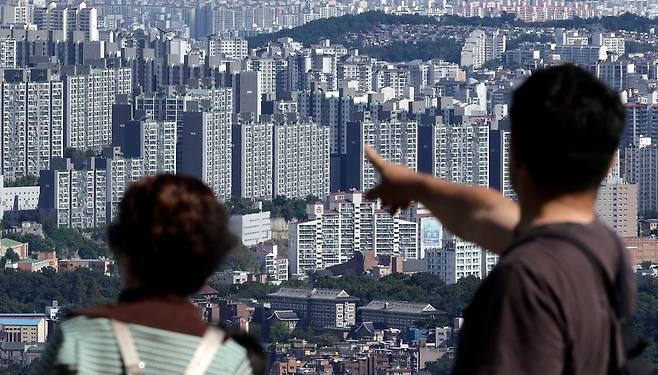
[173, 232]
[566, 126]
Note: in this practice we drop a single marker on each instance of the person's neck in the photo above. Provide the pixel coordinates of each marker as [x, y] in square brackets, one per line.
[575, 208]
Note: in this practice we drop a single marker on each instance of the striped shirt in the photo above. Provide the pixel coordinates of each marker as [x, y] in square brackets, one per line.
[84, 345]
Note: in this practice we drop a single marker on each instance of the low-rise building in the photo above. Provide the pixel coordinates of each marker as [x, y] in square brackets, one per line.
[252, 228]
[232, 277]
[24, 327]
[97, 265]
[396, 314]
[317, 308]
[274, 265]
[20, 248]
[32, 265]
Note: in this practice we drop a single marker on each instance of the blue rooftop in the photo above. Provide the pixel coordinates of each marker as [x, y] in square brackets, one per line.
[33, 315]
[19, 322]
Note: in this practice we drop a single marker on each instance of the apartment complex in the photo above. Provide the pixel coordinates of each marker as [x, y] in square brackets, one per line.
[235, 48]
[395, 140]
[301, 159]
[461, 153]
[347, 224]
[482, 46]
[89, 96]
[32, 123]
[70, 20]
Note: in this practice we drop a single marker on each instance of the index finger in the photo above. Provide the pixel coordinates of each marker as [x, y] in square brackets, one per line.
[374, 157]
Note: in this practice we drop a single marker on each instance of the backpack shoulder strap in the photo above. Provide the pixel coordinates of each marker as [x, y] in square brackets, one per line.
[205, 352]
[129, 355]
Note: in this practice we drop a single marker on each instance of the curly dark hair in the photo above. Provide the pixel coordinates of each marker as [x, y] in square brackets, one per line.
[172, 231]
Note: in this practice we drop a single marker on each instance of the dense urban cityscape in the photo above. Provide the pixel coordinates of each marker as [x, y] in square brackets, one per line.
[271, 104]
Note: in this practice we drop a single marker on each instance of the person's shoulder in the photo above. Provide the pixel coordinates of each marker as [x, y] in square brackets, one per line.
[254, 350]
[81, 323]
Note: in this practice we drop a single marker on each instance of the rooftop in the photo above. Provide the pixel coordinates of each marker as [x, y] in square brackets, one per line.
[7, 242]
[327, 294]
[399, 306]
[20, 321]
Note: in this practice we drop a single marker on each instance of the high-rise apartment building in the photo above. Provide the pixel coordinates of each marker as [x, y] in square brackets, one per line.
[457, 259]
[614, 43]
[253, 160]
[500, 156]
[8, 53]
[616, 206]
[301, 159]
[482, 46]
[347, 224]
[461, 153]
[32, 123]
[86, 192]
[69, 20]
[641, 168]
[230, 48]
[74, 192]
[205, 143]
[395, 140]
[89, 96]
[616, 203]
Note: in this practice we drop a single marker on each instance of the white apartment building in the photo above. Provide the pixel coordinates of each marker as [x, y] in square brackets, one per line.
[85, 193]
[18, 198]
[457, 259]
[8, 53]
[614, 43]
[32, 125]
[158, 146]
[89, 96]
[74, 193]
[301, 159]
[253, 228]
[275, 265]
[253, 160]
[235, 48]
[397, 78]
[68, 19]
[442, 69]
[481, 46]
[395, 140]
[461, 153]
[349, 223]
[356, 69]
[580, 55]
[121, 173]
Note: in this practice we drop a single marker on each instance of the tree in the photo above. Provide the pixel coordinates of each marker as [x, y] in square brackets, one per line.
[240, 206]
[36, 244]
[11, 256]
[441, 367]
[242, 258]
[279, 332]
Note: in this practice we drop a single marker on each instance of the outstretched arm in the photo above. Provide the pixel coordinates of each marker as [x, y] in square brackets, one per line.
[473, 213]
